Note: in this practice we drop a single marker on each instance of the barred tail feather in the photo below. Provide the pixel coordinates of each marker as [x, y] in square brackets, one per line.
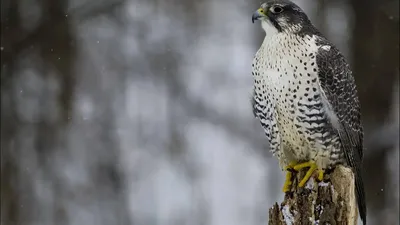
[360, 195]
[354, 160]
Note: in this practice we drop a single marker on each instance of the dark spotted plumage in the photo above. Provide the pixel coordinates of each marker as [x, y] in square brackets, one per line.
[305, 95]
[340, 90]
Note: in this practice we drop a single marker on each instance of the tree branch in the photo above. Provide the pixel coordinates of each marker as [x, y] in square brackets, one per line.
[330, 202]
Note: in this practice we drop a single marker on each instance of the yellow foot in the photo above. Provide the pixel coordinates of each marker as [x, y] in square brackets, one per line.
[321, 174]
[312, 168]
[289, 173]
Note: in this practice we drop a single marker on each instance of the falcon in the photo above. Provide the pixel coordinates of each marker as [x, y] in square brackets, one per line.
[305, 98]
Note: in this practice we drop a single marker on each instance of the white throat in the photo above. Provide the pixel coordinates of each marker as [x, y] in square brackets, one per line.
[269, 29]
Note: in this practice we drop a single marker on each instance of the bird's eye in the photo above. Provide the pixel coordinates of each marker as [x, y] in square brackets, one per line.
[276, 9]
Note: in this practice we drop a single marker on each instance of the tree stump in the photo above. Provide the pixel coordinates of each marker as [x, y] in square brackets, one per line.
[331, 201]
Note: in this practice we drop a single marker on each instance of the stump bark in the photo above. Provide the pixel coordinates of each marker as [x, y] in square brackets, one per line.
[332, 201]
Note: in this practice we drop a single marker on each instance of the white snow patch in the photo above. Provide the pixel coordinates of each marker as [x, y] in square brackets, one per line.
[287, 215]
[310, 184]
[320, 209]
[323, 184]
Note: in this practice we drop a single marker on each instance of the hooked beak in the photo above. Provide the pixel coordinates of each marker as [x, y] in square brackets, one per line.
[258, 14]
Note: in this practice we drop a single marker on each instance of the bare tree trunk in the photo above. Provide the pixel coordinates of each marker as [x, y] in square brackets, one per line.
[330, 202]
[375, 50]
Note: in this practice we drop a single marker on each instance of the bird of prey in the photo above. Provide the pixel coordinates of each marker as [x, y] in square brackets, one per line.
[305, 97]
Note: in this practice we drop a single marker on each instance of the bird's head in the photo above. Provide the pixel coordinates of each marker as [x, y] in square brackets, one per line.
[281, 16]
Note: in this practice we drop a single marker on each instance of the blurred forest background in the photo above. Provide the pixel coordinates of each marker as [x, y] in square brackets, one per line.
[138, 111]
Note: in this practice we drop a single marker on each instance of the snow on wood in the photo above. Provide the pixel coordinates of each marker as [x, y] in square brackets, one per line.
[329, 202]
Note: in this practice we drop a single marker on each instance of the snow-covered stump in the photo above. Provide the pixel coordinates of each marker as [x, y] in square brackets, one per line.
[330, 202]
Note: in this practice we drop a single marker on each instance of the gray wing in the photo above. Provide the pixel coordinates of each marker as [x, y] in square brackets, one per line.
[338, 85]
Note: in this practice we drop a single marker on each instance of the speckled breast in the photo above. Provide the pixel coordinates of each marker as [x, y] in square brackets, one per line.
[288, 79]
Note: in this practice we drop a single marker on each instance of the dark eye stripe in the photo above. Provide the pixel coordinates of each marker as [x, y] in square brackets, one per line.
[276, 25]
